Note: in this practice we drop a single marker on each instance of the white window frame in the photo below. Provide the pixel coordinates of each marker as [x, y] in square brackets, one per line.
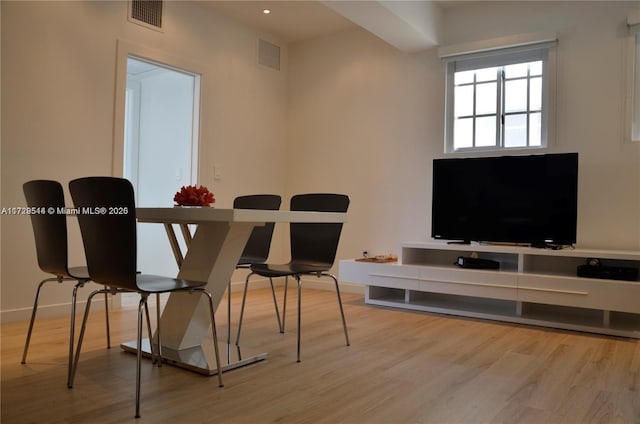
[500, 52]
[632, 106]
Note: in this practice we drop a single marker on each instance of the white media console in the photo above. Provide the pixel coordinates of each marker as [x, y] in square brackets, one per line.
[532, 286]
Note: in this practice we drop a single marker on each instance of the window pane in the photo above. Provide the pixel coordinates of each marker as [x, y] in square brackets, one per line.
[515, 96]
[486, 131]
[463, 101]
[486, 98]
[535, 129]
[535, 93]
[487, 74]
[500, 107]
[535, 68]
[463, 133]
[463, 77]
[516, 71]
[515, 130]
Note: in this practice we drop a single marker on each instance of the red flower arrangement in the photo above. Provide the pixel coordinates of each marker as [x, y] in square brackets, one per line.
[194, 196]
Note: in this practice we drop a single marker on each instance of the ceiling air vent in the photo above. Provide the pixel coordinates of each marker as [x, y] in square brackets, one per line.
[268, 54]
[147, 13]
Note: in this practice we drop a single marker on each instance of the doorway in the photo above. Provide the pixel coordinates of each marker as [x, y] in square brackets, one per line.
[161, 119]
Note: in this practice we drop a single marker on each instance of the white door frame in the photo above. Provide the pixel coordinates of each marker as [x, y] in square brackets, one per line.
[123, 51]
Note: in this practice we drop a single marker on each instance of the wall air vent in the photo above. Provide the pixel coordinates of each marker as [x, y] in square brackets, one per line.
[268, 54]
[147, 13]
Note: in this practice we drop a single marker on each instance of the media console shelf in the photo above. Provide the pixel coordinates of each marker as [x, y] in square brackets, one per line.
[532, 286]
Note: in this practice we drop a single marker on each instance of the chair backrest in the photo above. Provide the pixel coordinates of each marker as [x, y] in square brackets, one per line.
[316, 243]
[49, 227]
[106, 214]
[257, 248]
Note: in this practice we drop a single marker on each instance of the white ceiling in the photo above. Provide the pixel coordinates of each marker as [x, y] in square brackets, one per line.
[290, 21]
[408, 25]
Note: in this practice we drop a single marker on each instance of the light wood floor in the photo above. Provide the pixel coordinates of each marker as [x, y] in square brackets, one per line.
[401, 367]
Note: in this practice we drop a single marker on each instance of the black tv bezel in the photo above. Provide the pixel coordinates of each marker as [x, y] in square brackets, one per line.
[566, 238]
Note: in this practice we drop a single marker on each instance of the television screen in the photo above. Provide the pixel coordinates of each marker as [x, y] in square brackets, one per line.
[508, 199]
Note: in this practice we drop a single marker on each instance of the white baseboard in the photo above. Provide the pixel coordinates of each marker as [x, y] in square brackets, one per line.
[49, 311]
[323, 283]
[63, 309]
[327, 284]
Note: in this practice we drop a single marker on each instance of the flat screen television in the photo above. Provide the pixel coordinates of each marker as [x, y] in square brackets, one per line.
[528, 200]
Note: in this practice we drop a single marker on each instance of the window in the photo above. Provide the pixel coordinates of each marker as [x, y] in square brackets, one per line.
[633, 78]
[500, 99]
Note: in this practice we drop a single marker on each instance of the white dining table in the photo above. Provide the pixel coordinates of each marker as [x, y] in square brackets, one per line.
[212, 253]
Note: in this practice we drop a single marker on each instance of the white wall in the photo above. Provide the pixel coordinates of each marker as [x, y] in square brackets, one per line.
[58, 82]
[367, 120]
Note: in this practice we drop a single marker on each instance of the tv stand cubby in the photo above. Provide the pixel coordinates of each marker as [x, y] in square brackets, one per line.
[533, 286]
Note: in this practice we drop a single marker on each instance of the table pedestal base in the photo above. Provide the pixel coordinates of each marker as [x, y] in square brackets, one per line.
[199, 359]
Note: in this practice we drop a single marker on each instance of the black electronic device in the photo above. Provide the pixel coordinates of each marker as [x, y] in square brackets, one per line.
[595, 269]
[528, 199]
[477, 263]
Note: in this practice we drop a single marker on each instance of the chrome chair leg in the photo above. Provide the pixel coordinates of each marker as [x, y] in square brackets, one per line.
[141, 304]
[159, 338]
[344, 321]
[106, 312]
[275, 303]
[74, 297]
[229, 322]
[72, 329]
[81, 337]
[214, 333]
[284, 302]
[244, 299]
[299, 313]
[146, 312]
[33, 318]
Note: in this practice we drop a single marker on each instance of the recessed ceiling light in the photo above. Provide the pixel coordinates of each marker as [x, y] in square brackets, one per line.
[266, 11]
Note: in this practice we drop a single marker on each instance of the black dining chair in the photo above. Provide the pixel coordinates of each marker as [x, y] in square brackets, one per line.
[313, 249]
[110, 243]
[257, 248]
[49, 222]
